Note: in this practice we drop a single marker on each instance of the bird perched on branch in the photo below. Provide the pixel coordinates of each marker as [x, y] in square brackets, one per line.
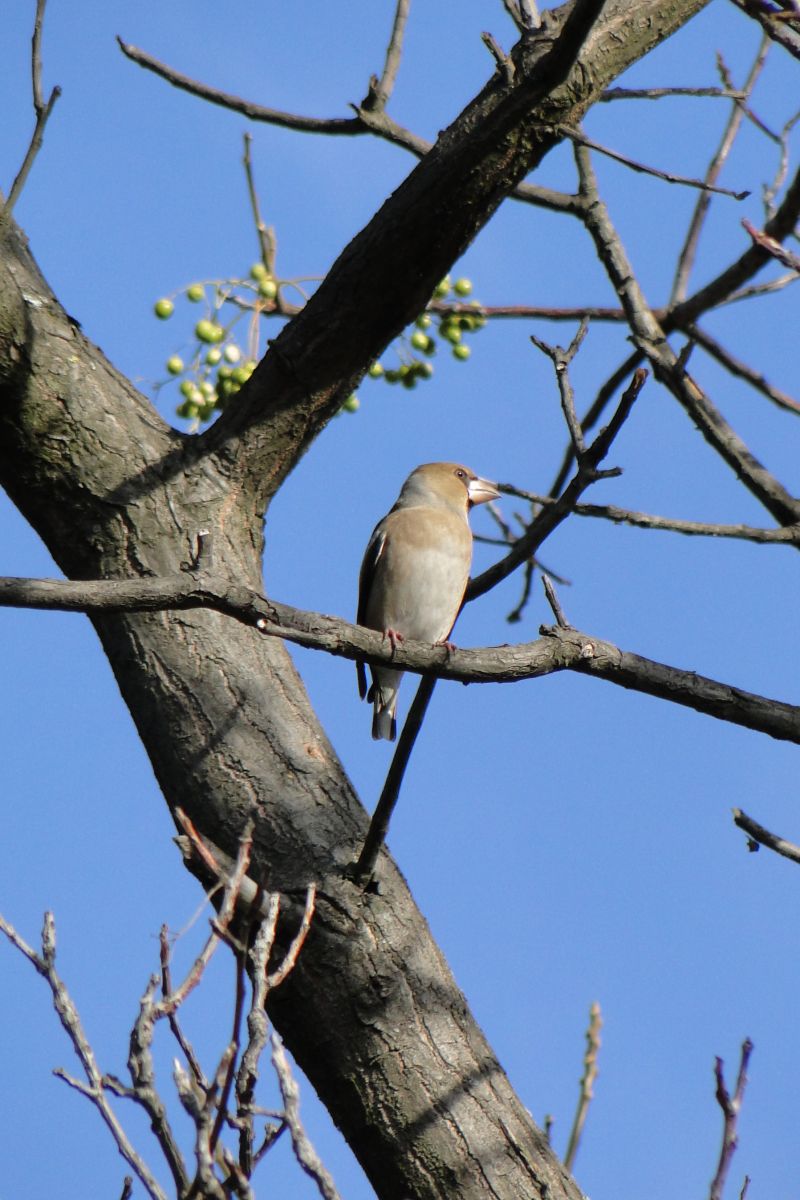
[415, 571]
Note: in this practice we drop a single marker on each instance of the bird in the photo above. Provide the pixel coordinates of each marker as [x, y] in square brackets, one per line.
[415, 572]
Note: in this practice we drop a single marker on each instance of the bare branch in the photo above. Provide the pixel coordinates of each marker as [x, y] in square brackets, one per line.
[773, 247]
[649, 336]
[266, 235]
[258, 1031]
[789, 39]
[277, 976]
[689, 250]
[764, 837]
[255, 112]
[304, 1151]
[555, 605]
[731, 1106]
[42, 112]
[622, 93]
[552, 516]
[497, 664]
[742, 370]
[561, 359]
[381, 89]
[580, 139]
[788, 535]
[586, 1096]
[379, 824]
[94, 1089]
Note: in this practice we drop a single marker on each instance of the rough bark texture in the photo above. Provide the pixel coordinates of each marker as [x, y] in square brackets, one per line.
[372, 1013]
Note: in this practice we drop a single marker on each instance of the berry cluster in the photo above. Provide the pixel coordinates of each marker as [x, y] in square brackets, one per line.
[217, 366]
[440, 322]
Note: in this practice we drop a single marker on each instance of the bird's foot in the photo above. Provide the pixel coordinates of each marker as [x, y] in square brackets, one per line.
[394, 637]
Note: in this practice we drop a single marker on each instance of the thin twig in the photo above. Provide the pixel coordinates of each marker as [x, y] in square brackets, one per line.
[258, 1033]
[773, 247]
[586, 1094]
[304, 1151]
[689, 249]
[379, 825]
[42, 112]
[166, 988]
[280, 973]
[649, 337]
[741, 369]
[660, 93]
[554, 602]
[561, 360]
[381, 89]
[68, 1015]
[731, 1106]
[266, 234]
[766, 16]
[786, 535]
[580, 139]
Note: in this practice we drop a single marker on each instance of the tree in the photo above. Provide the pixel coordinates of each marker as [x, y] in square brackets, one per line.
[139, 494]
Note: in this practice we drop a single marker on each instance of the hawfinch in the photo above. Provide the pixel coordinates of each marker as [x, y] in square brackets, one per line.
[415, 571]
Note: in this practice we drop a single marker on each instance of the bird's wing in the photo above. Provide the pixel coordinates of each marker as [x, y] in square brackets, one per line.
[371, 557]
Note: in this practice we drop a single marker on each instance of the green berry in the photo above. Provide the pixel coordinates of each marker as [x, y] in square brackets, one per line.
[462, 353]
[420, 340]
[186, 388]
[213, 356]
[206, 388]
[441, 289]
[450, 332]
[462, 287]
[423, 321]
[351, 404]
[208, 331]
[163, 308]
[195, 292]
[268, 288]
[258, 271]
[175, 365]
[232, 353]
[425, 370]
[250, 365]
[375, 371]
[240, 375]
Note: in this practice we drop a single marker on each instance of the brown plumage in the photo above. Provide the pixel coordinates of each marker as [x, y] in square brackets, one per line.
[415, 571]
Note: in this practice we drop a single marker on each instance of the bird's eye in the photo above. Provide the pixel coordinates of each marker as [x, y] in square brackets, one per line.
[461, 474]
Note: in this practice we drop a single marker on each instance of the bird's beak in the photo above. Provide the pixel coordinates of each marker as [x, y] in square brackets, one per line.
[480, 490]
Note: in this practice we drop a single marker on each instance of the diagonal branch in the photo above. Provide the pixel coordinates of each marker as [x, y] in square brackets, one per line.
[650, 338]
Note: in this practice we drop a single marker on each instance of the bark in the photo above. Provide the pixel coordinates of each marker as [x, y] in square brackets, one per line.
[371, 1012]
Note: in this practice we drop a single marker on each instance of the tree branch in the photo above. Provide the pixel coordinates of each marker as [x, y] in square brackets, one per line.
[765, 837]
[650, 337]
[556, 650]
[42, 111]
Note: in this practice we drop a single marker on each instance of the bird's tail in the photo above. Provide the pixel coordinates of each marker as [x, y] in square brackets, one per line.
[384, 722]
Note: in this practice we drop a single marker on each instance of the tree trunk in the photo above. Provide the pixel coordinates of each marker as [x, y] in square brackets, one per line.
[371, 1012]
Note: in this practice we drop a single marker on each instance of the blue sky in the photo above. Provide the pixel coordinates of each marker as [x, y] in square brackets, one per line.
[568, 841]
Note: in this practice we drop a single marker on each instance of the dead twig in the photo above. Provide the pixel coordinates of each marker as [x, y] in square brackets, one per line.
[731, 1106]
[586, 1095]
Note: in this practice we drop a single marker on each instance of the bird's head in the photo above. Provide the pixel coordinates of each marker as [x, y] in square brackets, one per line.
[446, 485]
